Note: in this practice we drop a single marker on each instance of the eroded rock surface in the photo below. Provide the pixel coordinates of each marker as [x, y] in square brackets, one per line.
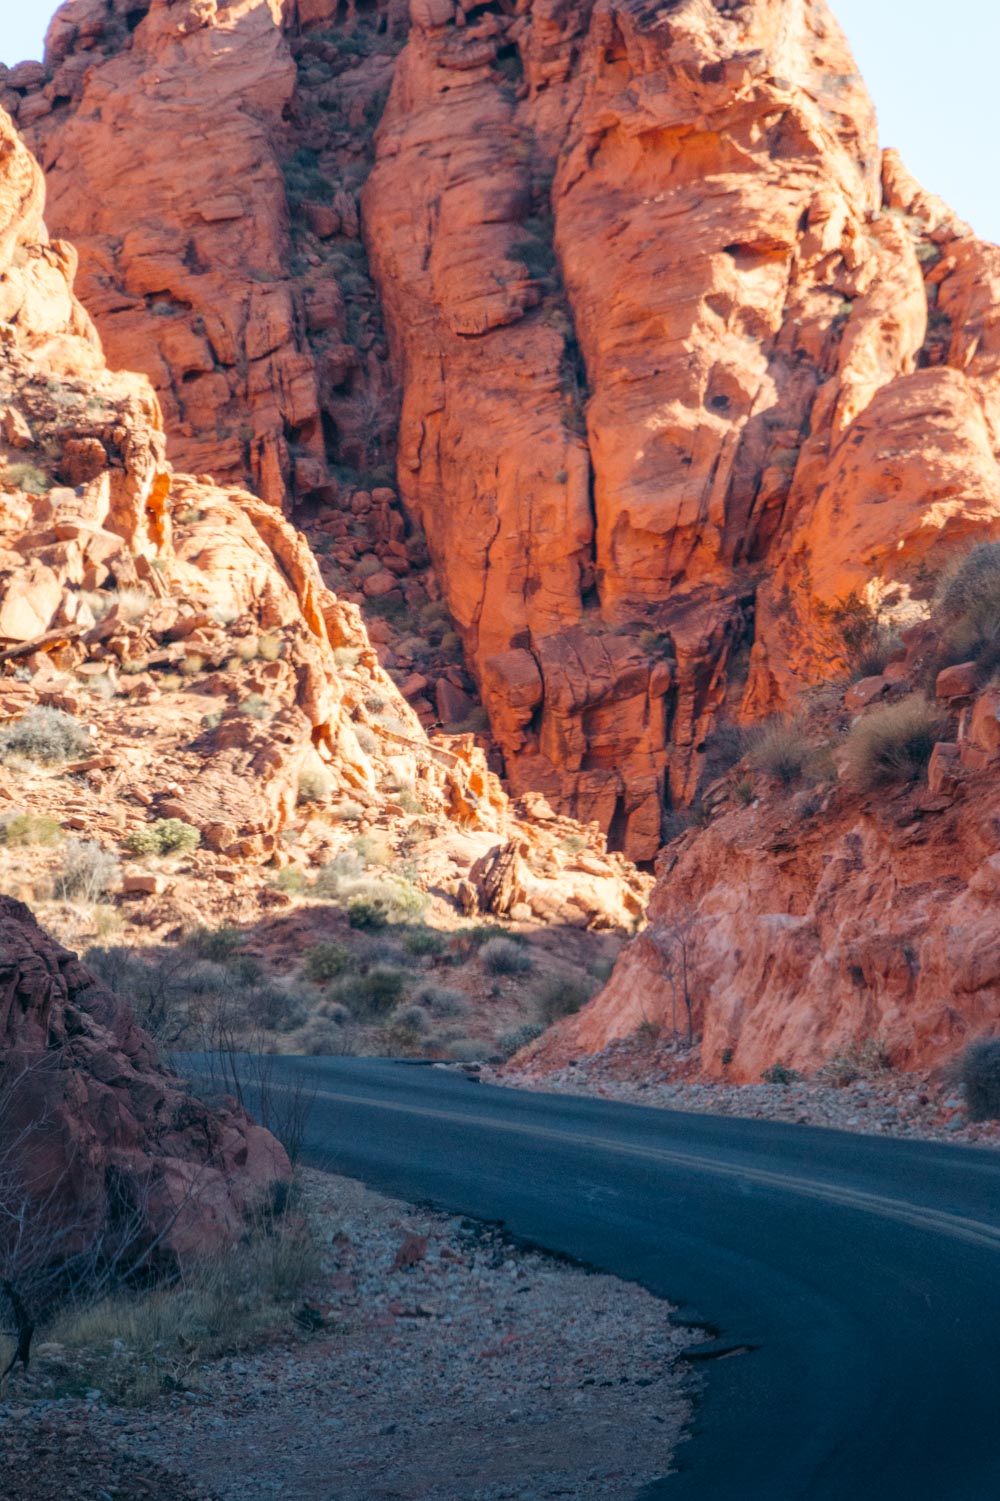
[109, 1142]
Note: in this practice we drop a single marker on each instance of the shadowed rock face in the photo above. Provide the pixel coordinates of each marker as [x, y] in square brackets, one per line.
[684, 360]
[103, 1129]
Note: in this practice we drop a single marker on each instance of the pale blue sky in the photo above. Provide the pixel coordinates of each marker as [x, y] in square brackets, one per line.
[931, 69]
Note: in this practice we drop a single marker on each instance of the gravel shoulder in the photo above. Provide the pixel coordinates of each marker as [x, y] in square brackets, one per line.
[447, 1364]
[885, 1103]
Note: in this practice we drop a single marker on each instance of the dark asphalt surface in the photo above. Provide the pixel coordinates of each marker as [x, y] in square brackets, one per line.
[863, 1273]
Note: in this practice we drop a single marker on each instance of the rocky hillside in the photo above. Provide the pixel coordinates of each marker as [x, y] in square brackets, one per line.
[695, 358]
[626, 388]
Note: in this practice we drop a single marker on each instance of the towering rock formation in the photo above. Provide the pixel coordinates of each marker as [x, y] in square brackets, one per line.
[685, 363]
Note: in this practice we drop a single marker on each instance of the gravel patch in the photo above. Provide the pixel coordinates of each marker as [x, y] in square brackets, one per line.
[888, 1103]
[447, 1364]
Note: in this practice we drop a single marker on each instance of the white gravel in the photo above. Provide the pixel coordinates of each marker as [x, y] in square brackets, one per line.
[480, 1372]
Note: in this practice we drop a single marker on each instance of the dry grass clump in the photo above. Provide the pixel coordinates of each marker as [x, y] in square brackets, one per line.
[45, 735]
[315, 784]
[858, 1060]
[968, 594]
[979, 1076]
[893, 743]
[779, 749]
[88, 871]
[135, 1344]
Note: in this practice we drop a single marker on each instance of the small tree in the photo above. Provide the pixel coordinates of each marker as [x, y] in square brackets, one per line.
[674, 942]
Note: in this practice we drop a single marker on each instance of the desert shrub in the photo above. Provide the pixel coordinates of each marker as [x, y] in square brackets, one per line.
[893, 743]
[724, 746]
[743, 791]
[968, 594]
[409, 802]
[88, 871]
[481, 933]
[421, 942]
[512, 1042]
[255, 706]
[979, 1076]
[560, 996]
[315, 784]
[858, 1060]
[20, 829]
[373, 995]
[277, 1008]
[366, 738]
[345, 656]
[371, 850]
[780, 1073]
[269, 648]
[167, 836]
[867, 639]
[45, 735]
[465, 1050]
[442, 1001]
[366, 915]
[218, 944]
[291, 879]
[413, 1018]
[573, 844]
[348, 812]
[337, 877]
[29, 478]
[501, 957]
[137, 1342]
[323, 1037]
[325, 962]
[779, 749]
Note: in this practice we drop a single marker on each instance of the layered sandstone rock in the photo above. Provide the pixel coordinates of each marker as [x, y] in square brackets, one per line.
[805, 922]
[109, 1143]
[230, 673]
[685, 362]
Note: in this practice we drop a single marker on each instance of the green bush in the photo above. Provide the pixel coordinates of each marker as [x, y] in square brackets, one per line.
[442, 1001]
[563, 995]
[374, 995]
[325, 962]
[893, 743]
[45, 735]
[370, 917]
[779, 750]
[979, 1074]
[20, 829]
[216, 944]
[421, 942]
[88, 871]
[512, 1042]
[167, 836]
[501, 957]
[780, 1073]
[29, 478]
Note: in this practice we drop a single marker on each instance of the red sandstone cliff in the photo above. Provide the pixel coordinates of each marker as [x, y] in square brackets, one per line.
[687, 368]
[683, 359]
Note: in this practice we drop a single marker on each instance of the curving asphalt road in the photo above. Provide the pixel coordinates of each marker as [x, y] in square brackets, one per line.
[864, 1274]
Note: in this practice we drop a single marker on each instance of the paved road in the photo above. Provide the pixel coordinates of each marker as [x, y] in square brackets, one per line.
[864, 1274]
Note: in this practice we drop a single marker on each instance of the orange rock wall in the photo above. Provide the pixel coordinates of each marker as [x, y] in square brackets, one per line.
[685, 362]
